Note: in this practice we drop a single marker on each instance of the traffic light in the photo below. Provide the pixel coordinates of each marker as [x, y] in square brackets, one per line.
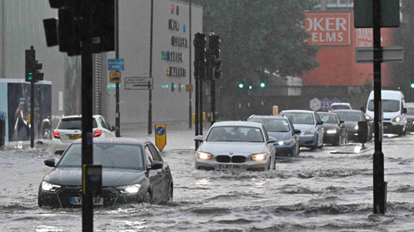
[66, 31]
[262, 83]
[214, 51]
[250, 85]
[241, 84]
[200, 56]
[38, 76]
[30, 60]
[412, 83]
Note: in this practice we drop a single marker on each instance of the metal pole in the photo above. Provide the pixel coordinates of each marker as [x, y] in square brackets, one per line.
[197, 108]
[32, 112]
[190, 44]
[213, 97]
[378, 162]
[201, 106]
[87, 85]
[150, 71]
[118, 116]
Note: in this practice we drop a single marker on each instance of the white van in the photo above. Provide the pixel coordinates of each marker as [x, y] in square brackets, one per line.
[393, 107]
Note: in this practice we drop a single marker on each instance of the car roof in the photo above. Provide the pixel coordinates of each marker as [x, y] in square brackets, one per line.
[347, 110]
[298, 111]
[237, 123]
[78, 116]
[341, 103]
[268, 116]
[327, 113]
[115, 140]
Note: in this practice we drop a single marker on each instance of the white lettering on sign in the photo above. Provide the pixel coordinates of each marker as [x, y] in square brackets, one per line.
[364, 37]
[316, 24]
[328, 28]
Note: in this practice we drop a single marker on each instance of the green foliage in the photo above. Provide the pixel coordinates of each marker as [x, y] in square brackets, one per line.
[265, 34]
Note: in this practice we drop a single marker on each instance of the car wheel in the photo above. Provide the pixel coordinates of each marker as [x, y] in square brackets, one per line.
[405, 131]
[400, 132]
[148, 197]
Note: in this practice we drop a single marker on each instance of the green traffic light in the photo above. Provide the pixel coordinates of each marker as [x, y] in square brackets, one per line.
[30, 76]
[250, 87]
[241, 85]
[262, 85]
[412, 85]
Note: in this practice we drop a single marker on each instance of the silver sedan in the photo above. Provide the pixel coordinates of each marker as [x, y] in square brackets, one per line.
[236, 145]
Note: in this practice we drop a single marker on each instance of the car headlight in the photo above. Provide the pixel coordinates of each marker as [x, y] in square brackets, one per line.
[204, 156]
[331, 131]
[129, 188]
[285, 142]
[258, 157]
[356, 127]
[309, 132]
[46, 186]
[396, 119]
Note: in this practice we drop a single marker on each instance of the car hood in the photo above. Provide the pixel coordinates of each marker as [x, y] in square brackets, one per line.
[350, 125]
[280, 136]
[110, 177]
[234, 147]
[329, 126]
[304, 127]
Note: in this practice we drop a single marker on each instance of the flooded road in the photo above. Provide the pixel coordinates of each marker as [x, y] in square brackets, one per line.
[329, 189]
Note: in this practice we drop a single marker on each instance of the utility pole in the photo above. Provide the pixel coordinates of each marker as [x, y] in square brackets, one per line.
[117, 113]
[150, 71]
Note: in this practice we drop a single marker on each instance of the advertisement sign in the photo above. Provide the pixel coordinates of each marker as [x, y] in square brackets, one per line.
[328, 28]
[364, 37]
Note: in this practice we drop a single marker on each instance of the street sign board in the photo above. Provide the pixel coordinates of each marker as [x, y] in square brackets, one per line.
[315, 104]
[114, 77]
[189, 88]
[389, 54]
[390, 13]
[325, 104]
[160, 136]
[335, 100]
[138, 83]
[115, 64]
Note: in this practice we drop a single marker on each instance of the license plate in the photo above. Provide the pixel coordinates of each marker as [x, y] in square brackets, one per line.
[230, 166]
[74, 136]
[78, 200]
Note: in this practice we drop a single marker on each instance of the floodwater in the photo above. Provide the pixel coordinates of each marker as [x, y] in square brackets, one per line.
[321, 190]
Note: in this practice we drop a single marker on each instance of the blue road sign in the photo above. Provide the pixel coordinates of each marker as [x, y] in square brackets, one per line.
[160, 131]
[115, 64]
[325, 104]
[335, 100]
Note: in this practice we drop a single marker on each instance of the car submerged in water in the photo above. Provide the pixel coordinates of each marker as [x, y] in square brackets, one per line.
[236, 145]
[132, 172]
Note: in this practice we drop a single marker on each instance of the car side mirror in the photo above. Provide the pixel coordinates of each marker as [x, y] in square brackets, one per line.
[404, 110]
[199, 138]
[50, 162]
[297, 131]
[320, 123]
[272, 140]
[341, 121]
[114, 128]
[156, 165]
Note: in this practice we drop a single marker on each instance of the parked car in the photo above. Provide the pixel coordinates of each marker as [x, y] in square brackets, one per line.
[394, 111]
[69, 129]
[351, 118]
[236, 145]
[340, 106]
[336, 132]
[132, 172]
[288, 142]
[310, 125]
[410, 116]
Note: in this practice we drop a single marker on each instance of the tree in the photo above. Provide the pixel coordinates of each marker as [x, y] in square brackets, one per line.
[260, 34]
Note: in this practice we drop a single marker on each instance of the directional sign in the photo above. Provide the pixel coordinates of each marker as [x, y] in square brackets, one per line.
[389, 54]
[115, 64]
[138, 83]
[325, 104]
[160, 136]
[315, 104]
[335, 100]
[114, 77]
[189, 88]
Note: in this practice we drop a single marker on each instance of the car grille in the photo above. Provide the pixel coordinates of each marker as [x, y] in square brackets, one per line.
[64, 197]
[233, 159]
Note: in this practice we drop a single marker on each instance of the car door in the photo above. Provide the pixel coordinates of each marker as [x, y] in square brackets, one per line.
[154, 178]
[164, 173]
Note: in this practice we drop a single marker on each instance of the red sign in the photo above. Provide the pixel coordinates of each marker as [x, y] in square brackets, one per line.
[328, 28]
[364, 37]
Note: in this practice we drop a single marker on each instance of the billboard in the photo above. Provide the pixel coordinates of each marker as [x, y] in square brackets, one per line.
[328, 28]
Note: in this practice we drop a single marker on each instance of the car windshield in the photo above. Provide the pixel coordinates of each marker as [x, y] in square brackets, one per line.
[273, 125]
[73, 124]
[387, 105]
[340, 107]
[235, 134]
[108, 155]
[300, 118]
[350, 116]
[328, 118]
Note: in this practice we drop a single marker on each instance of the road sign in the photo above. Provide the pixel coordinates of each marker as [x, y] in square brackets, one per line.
[389, 54]
[315, 104]
[138, 83]
[189, 88]
[115, 64]
[160, 136]
[325, 104]
[390, 13]
[114, 77]
[335, 100]
[275, 110]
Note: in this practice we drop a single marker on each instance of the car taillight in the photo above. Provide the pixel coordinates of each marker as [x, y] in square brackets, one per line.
[56, 134]
[97, 133]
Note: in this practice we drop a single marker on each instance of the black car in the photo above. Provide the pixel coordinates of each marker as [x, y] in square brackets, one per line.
[336, 132]
[410, 117]
[351, 118]
[132, 172]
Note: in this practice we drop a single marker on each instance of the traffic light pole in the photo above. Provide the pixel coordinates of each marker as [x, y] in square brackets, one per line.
[378, 162]
[32, 114]
[213, 97]
[87, 121]
[117, 113]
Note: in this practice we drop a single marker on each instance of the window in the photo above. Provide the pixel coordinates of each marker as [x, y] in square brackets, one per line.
[73, 124]
[148, 155]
